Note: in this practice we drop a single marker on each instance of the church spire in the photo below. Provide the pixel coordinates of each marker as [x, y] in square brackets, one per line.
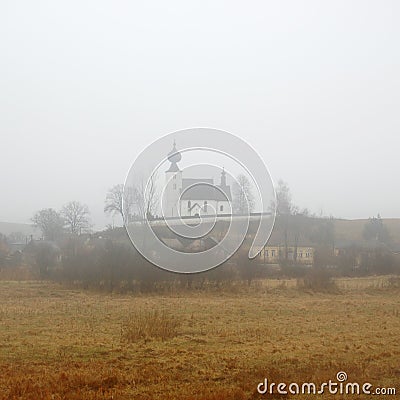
[223, 178]
[174, 156]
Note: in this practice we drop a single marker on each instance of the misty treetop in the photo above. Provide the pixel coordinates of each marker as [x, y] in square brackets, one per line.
[375, 230]
[76, 217]
[73, 218]
[243, 197]
[120, 201]
[50, 222]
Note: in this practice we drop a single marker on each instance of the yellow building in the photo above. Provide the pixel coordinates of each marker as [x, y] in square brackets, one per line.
[273, 254]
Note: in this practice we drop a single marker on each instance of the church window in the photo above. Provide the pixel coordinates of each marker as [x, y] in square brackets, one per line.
[221, 208]
[205, 206]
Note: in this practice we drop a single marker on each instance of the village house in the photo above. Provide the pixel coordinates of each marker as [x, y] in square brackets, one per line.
[301, 254]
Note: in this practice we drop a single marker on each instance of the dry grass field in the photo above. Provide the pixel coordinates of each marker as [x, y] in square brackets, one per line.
[57, 343]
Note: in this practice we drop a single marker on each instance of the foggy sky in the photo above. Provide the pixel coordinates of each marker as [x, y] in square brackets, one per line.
[314, 86]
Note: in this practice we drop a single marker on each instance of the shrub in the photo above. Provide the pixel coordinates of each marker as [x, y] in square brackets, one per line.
[149, 324]
[317, 280]
[293, 271]
[394, 282]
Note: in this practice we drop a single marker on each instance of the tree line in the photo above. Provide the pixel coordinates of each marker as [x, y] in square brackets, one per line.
[73, 218]
[72, 253]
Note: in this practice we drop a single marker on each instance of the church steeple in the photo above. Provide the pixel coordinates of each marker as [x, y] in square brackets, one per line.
[174, 156]
[223, 178]
[173, 185]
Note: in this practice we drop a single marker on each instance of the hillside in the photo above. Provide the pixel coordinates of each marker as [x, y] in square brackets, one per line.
[7, 228]
[346, 231]
[352, 230]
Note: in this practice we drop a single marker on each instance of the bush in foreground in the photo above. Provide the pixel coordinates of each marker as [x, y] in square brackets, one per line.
[149, 324]
[317, 280]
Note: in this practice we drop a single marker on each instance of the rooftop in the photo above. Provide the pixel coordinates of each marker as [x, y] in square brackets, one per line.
[204, 189]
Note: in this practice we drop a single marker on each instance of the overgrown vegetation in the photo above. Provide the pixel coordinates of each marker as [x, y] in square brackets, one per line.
[317, 280]
[149, 324]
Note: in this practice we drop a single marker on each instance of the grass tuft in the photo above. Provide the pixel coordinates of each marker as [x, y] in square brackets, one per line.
[148, 325]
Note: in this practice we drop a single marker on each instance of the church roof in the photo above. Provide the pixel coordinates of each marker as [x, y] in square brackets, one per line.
[204, 189]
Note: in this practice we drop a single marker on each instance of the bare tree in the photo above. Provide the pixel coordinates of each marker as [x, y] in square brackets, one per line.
[284, 208]
[375, 230]
[120, 200]
[145, 198]
[243, 198]
[50, 222]
[284, 204]
[76, 217]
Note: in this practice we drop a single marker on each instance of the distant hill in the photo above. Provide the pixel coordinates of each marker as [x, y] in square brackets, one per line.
[352, 229]
[26, 229]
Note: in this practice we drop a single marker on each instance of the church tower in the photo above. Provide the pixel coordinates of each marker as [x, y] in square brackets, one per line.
[173, 184]
[223, 178]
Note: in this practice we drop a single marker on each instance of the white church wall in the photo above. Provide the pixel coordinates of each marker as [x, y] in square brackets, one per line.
[213, 207]
[172, 192]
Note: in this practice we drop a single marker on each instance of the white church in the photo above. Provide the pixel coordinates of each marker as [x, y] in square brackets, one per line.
[187, 197]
